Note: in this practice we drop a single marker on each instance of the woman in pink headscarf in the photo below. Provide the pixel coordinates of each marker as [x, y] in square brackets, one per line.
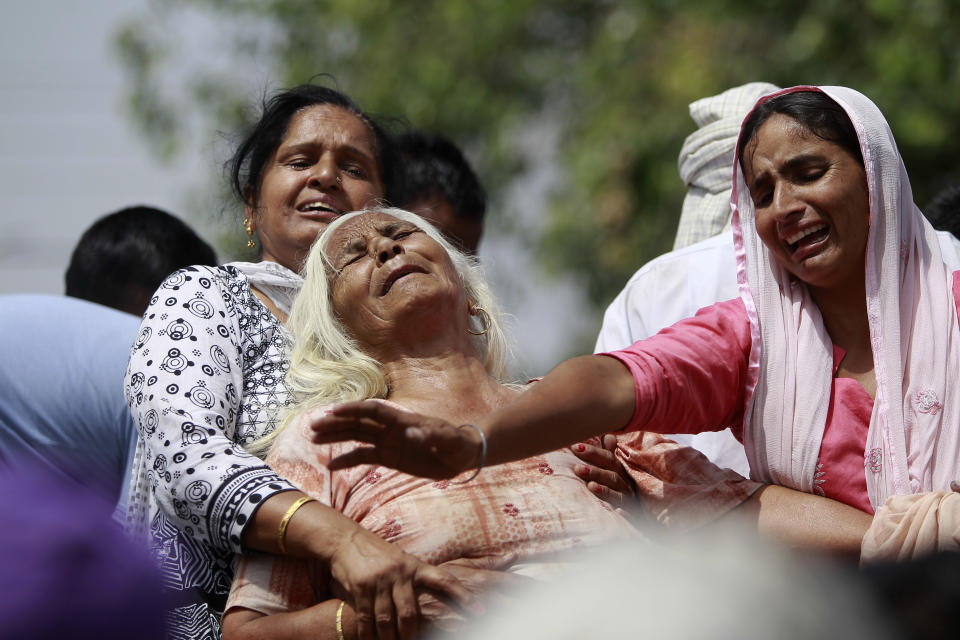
[837, 366]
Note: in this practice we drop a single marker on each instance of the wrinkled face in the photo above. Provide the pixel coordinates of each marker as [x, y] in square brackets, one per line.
[325, 166]
[385, 271]
[811, 200]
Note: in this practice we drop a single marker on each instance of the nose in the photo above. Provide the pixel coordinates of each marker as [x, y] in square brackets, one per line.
[385, 248]
[325, 175]
[785, 202]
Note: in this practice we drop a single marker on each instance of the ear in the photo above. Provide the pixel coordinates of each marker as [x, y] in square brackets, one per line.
[471, 306]
[250, 216]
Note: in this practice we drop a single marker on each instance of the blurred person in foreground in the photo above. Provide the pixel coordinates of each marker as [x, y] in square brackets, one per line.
[391, 310]
[837, 364]
[67, 570]
[440, 185]
[124, 256]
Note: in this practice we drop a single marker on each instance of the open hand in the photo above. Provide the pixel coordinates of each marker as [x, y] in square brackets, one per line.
[399, 439]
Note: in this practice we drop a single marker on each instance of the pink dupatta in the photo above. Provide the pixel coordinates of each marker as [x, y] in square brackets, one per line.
[913, 444]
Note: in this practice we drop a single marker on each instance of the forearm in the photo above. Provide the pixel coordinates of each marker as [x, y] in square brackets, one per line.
[318, 621]
[314, 531]
[580, 398]
[806, 521]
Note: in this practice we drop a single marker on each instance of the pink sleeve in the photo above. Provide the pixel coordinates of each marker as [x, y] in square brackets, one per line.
[690, 377]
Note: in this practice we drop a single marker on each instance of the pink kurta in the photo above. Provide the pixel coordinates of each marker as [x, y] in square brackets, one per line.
[690, 378]
[533, 508]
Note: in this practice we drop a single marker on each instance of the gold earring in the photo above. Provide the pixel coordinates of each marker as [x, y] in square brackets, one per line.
[484, 320]
[248, 225]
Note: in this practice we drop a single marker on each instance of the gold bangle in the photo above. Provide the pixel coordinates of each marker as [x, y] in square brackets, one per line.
[340, 621]
[285, 520]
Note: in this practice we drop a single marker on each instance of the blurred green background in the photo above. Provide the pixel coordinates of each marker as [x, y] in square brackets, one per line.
[594, 91]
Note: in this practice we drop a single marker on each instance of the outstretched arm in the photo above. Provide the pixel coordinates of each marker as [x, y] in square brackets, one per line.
[686, 377]
[582, 397]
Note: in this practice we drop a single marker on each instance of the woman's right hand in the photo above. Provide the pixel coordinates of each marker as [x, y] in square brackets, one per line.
[409, 442]
[381, 580]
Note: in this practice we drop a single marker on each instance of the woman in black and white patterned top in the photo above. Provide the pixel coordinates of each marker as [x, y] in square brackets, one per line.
[206, 376]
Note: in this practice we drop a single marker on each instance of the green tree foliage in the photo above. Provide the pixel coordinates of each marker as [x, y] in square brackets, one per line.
[615, 78]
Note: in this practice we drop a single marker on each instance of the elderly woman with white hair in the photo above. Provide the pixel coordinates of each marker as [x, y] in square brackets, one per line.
[391, 311]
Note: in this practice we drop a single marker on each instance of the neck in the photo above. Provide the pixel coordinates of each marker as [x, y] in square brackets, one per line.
[844, 311]
[453, 385]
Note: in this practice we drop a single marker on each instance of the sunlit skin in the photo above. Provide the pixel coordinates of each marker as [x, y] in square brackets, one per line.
[391, 282]
[325, 166]
[801, 183]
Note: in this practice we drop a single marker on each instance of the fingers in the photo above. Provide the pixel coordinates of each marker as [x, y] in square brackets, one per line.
[609, 479]
[596, 456]
[606, 494]
[358, 456]
[384, 614]
[495, 562]
[609, 442]
[408, 612]
[364, 615]
[444, 582]
[332, 428]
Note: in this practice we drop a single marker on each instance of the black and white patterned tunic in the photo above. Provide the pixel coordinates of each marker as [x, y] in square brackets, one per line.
[206, 375]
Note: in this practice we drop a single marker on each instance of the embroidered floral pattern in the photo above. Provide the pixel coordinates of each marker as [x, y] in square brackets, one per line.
[874, 460]
[441, 484]
[392, 528]
[819, 479]
[545, 469]
[372, 477]
[511, 510]
[927, 402]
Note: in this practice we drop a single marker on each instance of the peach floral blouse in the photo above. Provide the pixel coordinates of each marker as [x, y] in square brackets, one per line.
[535, 509]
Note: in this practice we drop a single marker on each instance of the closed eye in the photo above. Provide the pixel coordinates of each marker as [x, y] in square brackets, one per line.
[355, 170]
[299, 163]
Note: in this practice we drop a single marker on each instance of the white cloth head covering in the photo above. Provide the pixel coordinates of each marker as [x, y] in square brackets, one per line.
[705, 161]
[913, 444]
[275, 281]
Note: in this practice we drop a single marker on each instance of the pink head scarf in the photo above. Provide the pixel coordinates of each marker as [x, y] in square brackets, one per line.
[913, 444]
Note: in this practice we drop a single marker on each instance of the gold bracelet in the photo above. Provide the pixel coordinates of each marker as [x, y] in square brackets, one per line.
[285, 520]
[340, 621]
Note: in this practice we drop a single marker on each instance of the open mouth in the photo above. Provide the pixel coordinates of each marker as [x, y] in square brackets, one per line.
[807, 238]
[319, 209]
[396, 274]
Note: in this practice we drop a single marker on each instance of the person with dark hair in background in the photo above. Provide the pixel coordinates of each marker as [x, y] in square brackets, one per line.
[440, 185]
[62, 364]
[943, 212]
[124, 256]
[61, 401]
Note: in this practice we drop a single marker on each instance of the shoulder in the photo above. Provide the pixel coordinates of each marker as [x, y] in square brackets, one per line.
[669, 288]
